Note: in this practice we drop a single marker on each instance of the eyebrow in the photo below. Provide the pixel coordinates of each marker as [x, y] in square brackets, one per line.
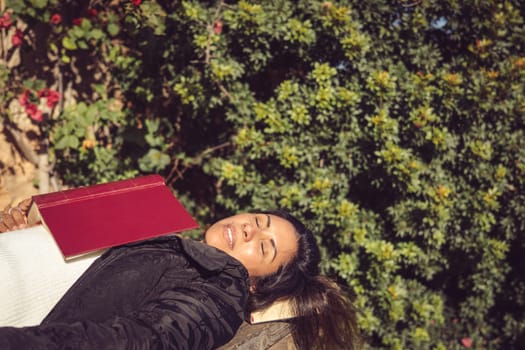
[274, 249]
[271, 240]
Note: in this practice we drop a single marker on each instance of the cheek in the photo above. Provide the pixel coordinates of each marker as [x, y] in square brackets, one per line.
[247, 255]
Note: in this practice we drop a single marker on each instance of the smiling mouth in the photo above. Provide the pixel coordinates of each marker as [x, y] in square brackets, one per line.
[230, 237]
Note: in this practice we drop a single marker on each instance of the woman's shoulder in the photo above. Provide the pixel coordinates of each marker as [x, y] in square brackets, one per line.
[196, 252]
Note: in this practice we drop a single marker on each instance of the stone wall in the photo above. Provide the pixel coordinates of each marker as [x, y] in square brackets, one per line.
[17, 175]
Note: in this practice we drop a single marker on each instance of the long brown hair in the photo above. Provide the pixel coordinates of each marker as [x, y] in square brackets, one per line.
[325, 315]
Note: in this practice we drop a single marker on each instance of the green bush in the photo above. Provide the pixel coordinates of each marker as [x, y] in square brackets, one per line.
[395, 128]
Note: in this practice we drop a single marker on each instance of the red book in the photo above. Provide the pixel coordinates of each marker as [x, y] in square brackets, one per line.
[91, 218]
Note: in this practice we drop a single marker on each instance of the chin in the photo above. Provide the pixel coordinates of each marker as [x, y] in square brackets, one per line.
[213, 239]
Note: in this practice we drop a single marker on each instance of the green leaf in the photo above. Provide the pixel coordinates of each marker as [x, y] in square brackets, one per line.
[82, 44]
[155, 17]
[77, 31]
[113, 29]
[91, 114]
[154, 160]
[97, 34]
[82, 108]
[68, 141]
[86, 24]
[39, 4]
[79, 130]
[69, 43]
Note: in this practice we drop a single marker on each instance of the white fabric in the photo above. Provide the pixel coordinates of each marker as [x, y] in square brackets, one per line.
[33, 275]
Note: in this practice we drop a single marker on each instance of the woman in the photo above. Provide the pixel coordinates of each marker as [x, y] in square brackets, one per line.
[181, 294]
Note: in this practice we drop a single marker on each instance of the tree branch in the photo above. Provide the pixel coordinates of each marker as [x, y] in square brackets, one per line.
[21, 143]
[176, 174]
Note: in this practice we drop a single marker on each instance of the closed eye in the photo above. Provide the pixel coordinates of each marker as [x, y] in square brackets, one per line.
[262, 248]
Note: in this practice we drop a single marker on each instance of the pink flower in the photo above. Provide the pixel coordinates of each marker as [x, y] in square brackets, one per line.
[50, 95]
[5, 20]
[34, 112]
[467, 342]
[77, 21]
[136, 2]
[18, 38]
[56, 19]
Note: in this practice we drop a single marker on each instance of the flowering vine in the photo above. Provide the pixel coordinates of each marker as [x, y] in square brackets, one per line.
[5, 21]
[29, 98]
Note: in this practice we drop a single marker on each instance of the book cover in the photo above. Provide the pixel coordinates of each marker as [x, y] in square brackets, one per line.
[91, 218]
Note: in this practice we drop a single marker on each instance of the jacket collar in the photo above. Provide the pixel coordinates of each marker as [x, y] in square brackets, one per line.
[210, 258]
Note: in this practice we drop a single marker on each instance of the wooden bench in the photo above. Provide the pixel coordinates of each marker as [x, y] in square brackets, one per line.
[273, 335]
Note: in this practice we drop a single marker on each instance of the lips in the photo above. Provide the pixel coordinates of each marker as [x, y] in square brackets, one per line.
[229, 236]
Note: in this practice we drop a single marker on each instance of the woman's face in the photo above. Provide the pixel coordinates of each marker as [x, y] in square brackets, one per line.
[261, 242]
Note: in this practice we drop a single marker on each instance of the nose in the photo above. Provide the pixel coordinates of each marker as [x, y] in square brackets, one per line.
[248, 232]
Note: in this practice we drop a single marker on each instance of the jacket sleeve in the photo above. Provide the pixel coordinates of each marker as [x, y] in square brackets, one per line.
[178, 319]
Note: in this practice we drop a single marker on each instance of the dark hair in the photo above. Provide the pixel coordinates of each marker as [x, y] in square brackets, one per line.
[325, 316]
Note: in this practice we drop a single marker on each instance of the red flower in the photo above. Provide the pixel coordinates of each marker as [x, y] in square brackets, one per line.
[467, 342]
[217, 27]
[34, 112]
[24, 98]
[50, 95]
[77, 21]
[92, 12]
[18, 38]
[136, 2]
[5, 20]
[56, 19]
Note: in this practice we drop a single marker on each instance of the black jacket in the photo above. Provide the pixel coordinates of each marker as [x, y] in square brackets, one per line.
[167, 293]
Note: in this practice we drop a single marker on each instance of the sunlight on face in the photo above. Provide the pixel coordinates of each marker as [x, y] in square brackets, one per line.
[261, 242]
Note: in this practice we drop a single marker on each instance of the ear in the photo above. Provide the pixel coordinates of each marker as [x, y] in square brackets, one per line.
[253, 285]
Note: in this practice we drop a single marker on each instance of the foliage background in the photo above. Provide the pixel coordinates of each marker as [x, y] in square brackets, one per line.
[394, 128]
